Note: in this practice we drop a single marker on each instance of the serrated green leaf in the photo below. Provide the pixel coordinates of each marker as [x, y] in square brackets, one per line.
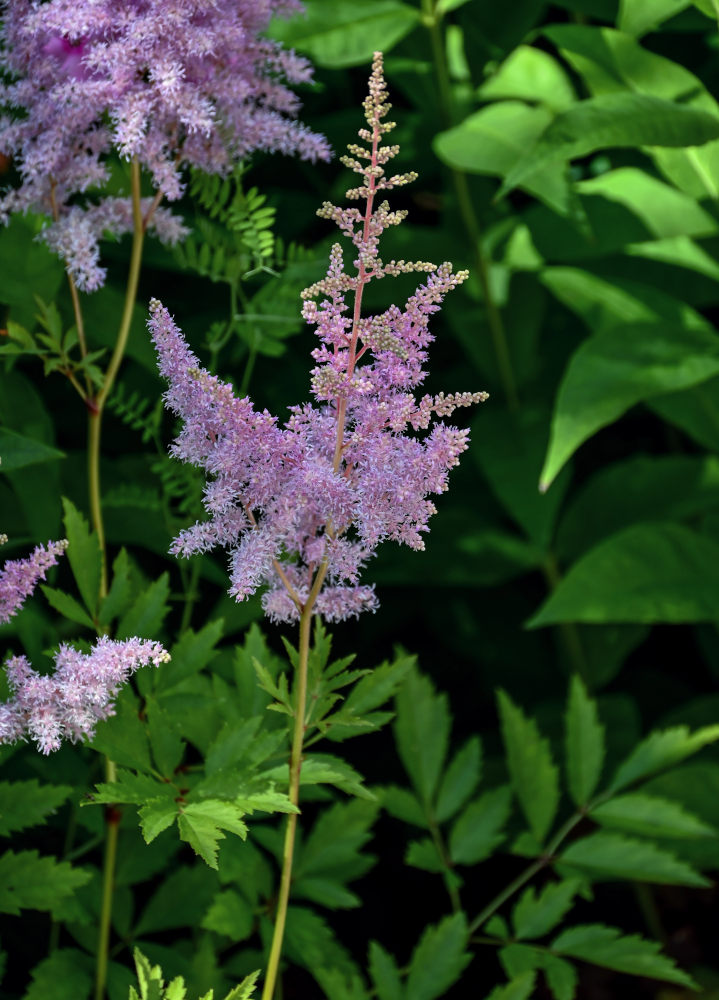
[334, 843]
[66, 974]
[479, 829]
[27, 803]
[460, 780]
[319, 769]
[613, 120]
[618, 367]
[120, 593]
[133, 789]
[83, 552]
[28, 881]
[181, 900]
[192, 652]
[661, 750]
[604, 856]
[402, 804]
[422, 733]
[516, 959]
[123, 737]
[18, 451]
[423, 854]
[534, 776]
[561, 977]
[67, 606]
[201, 825]
[535, 915]
[606, 946]
[584, 743]
[145, 616]
[650, 816]
[230, 914]
[648, 573]
[245, 989]
[439, 959]
[519, 989]
[385, 973]
[155, 816]
[167, 746]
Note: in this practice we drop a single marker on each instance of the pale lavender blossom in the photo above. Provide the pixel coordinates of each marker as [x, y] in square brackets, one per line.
[69, 703]
[168, 82]
[19, 577]
[303, 505]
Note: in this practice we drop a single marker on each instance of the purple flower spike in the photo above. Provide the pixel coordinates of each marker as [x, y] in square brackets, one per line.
[19, 577]
[69, 703]
[302, 506]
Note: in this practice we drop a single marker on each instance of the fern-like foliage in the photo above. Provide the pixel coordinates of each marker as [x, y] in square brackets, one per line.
[152, 985]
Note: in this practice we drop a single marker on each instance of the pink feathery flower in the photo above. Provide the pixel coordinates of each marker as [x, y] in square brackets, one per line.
[69, 703]
[302, 506]
[168, 82]
[19, 577]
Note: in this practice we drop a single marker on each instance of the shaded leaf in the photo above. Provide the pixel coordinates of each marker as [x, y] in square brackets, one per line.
[27, 803]
[460, 780]
[18, 451]
[479, 829]
[660, 750]
[30, 882]
[385, 973]
[584, 743]
[535, 915]
[66, 974]
[422, 732]
[439, 959]
[611, 856]
[83, 553]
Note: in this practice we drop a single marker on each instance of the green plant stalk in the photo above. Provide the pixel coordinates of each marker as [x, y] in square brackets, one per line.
[468, 216]
[445, 861]
[298, 735]
[112, 821]
[97, 405]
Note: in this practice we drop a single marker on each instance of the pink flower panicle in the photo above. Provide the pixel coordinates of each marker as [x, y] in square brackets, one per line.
[69, 703]
[19, 577]
[168, 82]
[307, 502]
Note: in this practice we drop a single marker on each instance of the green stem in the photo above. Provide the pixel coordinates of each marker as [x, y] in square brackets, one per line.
[444, 858]
[97, 405]
[568, 630]
[527, 874]
[112, 820]
[294, 794]
[467, 214]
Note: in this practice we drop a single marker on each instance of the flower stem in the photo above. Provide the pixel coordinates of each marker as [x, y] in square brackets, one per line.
[431, 20]
[112, 821]
[294, 794]
[97, 405]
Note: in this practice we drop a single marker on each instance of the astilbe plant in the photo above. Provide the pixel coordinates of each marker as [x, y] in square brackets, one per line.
[69, 703]
[303, 505]
[162, 82]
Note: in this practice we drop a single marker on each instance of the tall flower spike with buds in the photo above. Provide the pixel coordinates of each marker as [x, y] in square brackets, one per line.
[167, 82]
[302, 506]
[69, 703]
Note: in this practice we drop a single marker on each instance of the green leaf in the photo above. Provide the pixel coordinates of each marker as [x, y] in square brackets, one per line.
[460, 780]
[516, 959]
[649, 816]
[67, 606]
[245, 989]
[402, 804]
[611, 121]
[561, 977]
[423, 854]
[66, 974]
[584, 743]
[647, 573]
[320, 769]
[155, 816]
[192, 652]
[479, 829]
[618, 367]
[606, 946]
[530, 74]
[661, 750]
[422, 733]
[123, 737]
[18, 451]
[493, 140]
[145, 617]
[534, 916]
[439, 959]
[120, 593]
[133, 789]
[201, 825]
[385, 973]
[337, 33]
[28, 881]
[27, 803]
[604, 856]
[230, 914]
[529, 760]
[83, 551]
[520, 988]
[638, 17]
[181, 900]
[334, 844]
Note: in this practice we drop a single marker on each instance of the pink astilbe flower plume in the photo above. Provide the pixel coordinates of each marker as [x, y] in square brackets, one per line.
[168, 82]
[69, 703]
[302, 505]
